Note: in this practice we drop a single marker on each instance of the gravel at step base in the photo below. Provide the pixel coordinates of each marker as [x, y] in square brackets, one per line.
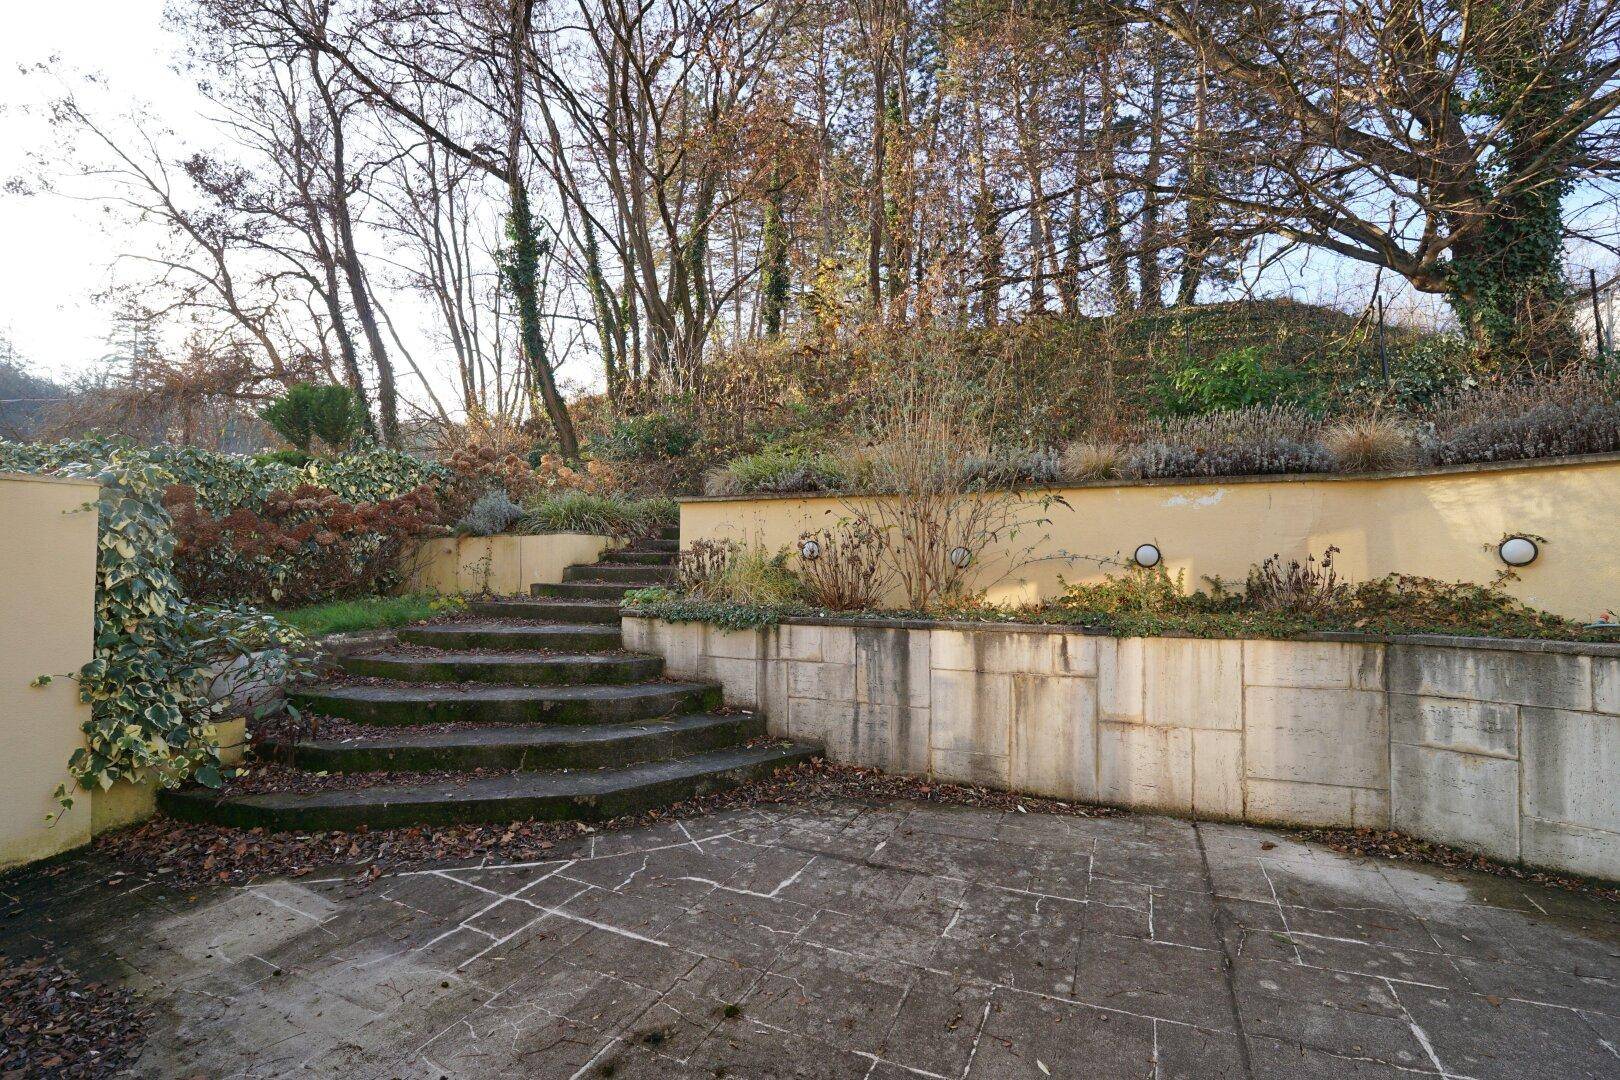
[55, 1024]
[190, 854]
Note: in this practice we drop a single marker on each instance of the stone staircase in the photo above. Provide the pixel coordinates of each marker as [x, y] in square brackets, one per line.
[534, 700]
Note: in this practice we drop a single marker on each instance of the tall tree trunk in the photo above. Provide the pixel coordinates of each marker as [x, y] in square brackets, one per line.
[774, 280]
[877, 203]
[522, 263]
[1115, 254]
[349, 257]
[1198, 241]
[1148, 271]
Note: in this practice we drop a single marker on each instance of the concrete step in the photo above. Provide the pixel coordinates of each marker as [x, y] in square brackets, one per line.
[582, 590]
[670, 532]
[549, 611]
[642, 558]
[520, 668]
[478, 704]
[521, 747]
[587, 795]
[502, 636]
[630, 574]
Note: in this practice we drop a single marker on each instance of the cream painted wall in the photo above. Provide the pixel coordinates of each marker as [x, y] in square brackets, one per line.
[47, 623]
[1441, 524]
[502, 565]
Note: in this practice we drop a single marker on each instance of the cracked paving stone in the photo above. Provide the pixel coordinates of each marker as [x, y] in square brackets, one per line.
[845, 940]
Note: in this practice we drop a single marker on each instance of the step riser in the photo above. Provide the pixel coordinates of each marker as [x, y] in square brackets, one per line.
[643, 558]
[519, 673]
[448, 637]
[577, 590]
[453, 710]
[465, 810]
[630, 575]
[653, 746]
[554, 612]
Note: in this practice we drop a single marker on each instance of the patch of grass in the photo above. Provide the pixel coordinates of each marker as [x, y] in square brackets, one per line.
[601, 515]
[370, 613]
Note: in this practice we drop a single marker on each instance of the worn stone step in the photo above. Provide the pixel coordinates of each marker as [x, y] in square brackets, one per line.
[643, 558]
[523, 669]
[582, 590]
[475, 703]
[586, 795]
[513, 636]
[549, 611]
[629, 574]
[670, 532]
[670, 546]
[521, 747]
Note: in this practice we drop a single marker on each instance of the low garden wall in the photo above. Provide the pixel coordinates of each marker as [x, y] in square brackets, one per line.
[502, 565]
[47, 627]
[1439, 523]
[1508, 748]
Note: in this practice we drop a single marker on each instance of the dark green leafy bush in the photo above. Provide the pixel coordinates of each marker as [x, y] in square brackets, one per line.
[647, 438]
[332, 414]
[1239, 378]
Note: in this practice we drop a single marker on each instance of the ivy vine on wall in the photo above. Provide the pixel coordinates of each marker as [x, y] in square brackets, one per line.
[156, 652]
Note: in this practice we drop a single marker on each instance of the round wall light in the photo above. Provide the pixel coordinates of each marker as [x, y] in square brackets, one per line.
[810, 550]
[960, 557]
[1146, 555]
[1518, 551]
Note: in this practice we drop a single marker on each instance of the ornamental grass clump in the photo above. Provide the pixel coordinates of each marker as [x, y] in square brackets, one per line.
[723, 572]
[1370, 443]
[1087, 462]
[776, 470]
[600, 515]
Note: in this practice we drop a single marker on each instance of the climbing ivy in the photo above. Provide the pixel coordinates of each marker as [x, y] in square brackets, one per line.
[156, 652]
[1507, 282]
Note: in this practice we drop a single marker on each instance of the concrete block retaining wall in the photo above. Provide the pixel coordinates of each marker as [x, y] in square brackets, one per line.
[1508, 748]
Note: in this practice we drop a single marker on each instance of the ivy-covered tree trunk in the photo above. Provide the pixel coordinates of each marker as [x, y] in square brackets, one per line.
[521, 269]
[774, 283]
[1507, 277]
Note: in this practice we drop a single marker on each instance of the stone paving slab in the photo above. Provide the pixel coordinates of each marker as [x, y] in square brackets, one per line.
[869, 942]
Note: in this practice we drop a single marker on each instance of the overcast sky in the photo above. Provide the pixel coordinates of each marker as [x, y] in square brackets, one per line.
[56, 250]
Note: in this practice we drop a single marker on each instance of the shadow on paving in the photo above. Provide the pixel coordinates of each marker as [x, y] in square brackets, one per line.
[846, 940]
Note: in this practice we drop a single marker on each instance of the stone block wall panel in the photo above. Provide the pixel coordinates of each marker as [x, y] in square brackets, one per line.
[1513, 752]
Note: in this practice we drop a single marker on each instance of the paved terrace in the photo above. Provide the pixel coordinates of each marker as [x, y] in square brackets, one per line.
[843, 940]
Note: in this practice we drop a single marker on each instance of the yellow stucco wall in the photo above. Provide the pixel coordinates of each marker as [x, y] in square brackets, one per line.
[1442, 524]
[502, 565]
[47, 621]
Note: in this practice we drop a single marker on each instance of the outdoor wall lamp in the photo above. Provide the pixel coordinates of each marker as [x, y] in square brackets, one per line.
[960, 557]
[1146, 556]
[810, 550]
[1518, 551]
